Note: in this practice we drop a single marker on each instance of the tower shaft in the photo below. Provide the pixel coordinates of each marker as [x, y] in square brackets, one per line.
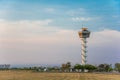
[84, 50]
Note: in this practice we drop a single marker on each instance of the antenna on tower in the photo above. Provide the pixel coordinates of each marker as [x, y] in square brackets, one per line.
[82, 26]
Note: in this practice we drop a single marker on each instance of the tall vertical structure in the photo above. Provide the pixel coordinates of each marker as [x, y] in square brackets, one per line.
[83, 34]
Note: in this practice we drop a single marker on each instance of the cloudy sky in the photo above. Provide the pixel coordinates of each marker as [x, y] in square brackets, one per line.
[46, 31]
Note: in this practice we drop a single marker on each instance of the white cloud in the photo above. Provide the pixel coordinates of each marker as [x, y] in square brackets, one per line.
[82, 19]
[34, 32]
[1, 20]
[105, 36]
[79, 11]
[37, 42]
[24, 27]
[21, 38]
[104, 47]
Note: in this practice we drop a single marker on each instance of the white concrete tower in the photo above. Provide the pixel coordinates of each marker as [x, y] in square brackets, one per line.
[83, 34]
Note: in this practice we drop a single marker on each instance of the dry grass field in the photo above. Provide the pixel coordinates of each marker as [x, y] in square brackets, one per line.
[28, 75]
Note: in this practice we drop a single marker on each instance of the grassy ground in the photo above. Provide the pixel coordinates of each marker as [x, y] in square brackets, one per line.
[28, 75]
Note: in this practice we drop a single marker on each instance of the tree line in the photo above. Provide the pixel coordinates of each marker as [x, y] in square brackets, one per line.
[67, 67]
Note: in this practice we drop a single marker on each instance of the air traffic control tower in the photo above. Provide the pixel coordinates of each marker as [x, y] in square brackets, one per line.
[83, 34]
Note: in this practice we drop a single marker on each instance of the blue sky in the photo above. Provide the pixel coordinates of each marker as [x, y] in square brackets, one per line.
[33, 31]
[96, 13]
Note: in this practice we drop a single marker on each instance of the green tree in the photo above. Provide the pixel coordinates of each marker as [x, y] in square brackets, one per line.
[90, 67]
[63, 67]
[117, 67]
[78, 67]
[68, 66]
[105, 67]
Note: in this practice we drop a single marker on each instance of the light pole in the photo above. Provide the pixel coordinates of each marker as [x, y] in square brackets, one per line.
[83, 34]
